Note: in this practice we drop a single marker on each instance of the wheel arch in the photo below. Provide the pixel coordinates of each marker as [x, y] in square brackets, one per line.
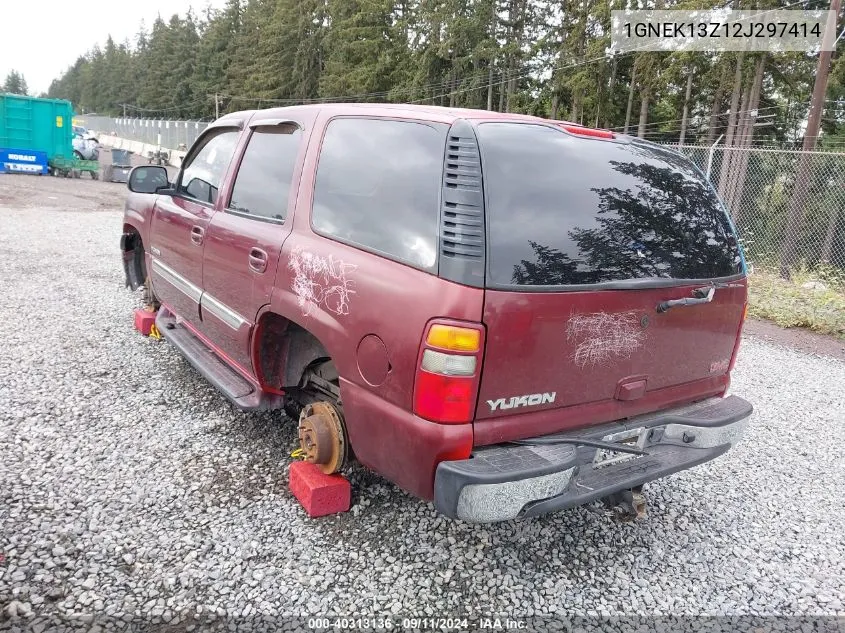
[282, 349]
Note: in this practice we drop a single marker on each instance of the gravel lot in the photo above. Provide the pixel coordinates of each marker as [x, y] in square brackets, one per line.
[131, 491]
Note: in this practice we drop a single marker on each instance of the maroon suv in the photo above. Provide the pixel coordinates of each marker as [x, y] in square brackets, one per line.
[502, 313]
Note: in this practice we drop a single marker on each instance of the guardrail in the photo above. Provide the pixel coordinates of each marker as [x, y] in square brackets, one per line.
[175, 156]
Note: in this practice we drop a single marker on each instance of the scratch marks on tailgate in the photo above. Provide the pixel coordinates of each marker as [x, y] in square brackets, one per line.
[600, 337]
[321, 282]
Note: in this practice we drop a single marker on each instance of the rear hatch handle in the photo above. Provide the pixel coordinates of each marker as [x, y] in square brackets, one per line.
[699, 296]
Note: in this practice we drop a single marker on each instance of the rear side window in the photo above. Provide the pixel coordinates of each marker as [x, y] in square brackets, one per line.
[565, 210]
[263, 183]
[378, 186]
[201, 177]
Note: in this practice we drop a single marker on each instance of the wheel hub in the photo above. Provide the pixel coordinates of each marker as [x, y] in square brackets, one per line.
[321, 436]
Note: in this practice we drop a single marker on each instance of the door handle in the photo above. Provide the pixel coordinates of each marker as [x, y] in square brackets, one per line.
[257, 260]
[197, 234]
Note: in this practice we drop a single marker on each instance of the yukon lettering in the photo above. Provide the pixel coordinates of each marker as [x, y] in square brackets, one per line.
[522, 401]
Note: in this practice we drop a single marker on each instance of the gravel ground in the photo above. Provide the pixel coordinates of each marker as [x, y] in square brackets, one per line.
[131, 491]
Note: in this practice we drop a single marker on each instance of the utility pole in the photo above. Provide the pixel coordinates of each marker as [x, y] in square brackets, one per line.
[820, 87]
[798, 204]
[216, 105]
[124, 110]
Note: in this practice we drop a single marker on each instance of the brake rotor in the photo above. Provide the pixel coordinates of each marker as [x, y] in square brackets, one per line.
[321, 436]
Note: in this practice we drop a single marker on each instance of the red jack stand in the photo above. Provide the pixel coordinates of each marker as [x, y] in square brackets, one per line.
[319, 494]
[144, 321]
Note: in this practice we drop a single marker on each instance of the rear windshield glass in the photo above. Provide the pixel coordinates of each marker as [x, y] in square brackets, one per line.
[565, 210]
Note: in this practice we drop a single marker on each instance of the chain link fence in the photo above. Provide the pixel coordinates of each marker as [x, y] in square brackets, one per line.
[169, 134]
[759, 187]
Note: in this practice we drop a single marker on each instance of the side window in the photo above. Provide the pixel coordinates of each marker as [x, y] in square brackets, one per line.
[378, 185]
[263, 182]
[202, 176]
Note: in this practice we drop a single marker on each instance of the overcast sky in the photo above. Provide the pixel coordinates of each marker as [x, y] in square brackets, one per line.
[42, 38]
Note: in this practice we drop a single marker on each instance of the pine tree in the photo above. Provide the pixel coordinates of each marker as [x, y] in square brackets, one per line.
[15, 83]
[363, 53]
[218, 36]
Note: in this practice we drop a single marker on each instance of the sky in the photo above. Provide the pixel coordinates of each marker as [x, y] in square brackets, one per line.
[42, 38]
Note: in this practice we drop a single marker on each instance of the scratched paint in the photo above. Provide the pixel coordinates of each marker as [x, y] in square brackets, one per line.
[602, 337]
[321, 282]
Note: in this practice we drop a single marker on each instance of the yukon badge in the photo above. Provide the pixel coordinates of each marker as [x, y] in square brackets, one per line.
[521, 401]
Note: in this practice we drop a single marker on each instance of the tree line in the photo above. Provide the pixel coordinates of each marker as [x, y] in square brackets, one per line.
[547, 58]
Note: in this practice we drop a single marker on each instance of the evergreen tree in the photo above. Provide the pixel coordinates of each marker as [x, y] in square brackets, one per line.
[15, 83]
[215, 50]
[545, 57]
[363, 50]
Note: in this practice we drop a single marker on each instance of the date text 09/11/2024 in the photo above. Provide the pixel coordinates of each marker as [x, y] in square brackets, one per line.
[422, 623]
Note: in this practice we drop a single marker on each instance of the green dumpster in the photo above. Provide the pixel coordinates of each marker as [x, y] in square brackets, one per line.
[29, 123]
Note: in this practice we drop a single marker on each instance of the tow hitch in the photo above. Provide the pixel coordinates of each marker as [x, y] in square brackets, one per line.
[627, 505]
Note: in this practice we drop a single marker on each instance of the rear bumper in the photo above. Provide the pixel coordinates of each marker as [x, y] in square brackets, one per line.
[510, 481]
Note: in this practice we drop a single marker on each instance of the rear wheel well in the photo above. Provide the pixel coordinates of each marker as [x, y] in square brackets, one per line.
[292, 359]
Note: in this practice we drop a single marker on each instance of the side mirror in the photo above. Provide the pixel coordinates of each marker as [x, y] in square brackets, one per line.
[148, 179]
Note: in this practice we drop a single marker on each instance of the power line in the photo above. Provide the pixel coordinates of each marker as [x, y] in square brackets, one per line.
[657, 123]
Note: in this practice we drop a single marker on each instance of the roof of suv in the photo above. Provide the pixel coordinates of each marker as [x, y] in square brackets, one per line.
[408, 111]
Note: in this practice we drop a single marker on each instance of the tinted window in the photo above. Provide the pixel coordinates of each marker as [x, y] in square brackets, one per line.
[378, 185]
[264, 178]
[568, 210]
[201, 177]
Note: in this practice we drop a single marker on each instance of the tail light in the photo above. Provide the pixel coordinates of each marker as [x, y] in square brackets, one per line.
[448, 370]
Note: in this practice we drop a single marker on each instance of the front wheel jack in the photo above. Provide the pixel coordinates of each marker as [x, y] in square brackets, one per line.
[627, 505]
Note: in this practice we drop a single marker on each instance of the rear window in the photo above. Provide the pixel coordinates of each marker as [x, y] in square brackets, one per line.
[378, 186]
[564, 210]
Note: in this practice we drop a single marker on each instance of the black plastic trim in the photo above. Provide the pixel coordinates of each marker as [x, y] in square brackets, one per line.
[452, 476]
[462, 236]
[213, 368]
[575, 497]
[272, 122]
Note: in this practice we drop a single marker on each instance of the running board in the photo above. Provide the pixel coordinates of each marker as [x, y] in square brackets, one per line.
[240, 391]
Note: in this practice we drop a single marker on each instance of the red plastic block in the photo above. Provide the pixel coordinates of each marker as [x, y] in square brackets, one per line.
[318, 493]
[144, 321]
